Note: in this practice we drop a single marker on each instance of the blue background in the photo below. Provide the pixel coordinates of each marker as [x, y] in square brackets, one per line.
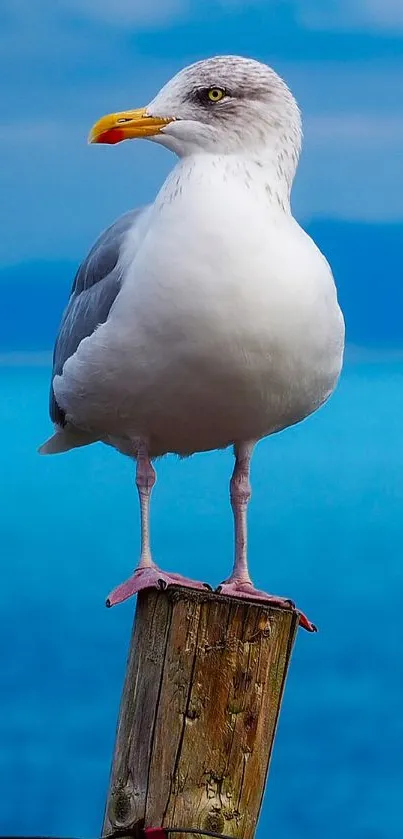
[326, 517]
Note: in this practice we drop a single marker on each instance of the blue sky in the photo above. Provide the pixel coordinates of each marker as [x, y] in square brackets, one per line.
[64, 64]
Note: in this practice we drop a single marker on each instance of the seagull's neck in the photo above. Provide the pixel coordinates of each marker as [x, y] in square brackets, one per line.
[269, 174]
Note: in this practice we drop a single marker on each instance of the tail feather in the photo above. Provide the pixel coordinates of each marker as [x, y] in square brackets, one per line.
[65, 439]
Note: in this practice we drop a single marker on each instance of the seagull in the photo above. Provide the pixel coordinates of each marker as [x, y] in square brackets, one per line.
[208, 319]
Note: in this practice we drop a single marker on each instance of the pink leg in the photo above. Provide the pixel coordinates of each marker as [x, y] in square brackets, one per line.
[145, 480]
[239, 584]
[147, 574]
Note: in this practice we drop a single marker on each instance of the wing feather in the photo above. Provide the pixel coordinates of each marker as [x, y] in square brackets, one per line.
[95, 288]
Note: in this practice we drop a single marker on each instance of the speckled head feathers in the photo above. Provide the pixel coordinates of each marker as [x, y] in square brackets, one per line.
[254, 108]
[241, 78]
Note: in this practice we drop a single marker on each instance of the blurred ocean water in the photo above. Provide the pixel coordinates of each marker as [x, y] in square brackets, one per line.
[326, 528]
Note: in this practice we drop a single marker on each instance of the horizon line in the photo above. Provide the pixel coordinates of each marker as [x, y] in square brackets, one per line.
[354, 354]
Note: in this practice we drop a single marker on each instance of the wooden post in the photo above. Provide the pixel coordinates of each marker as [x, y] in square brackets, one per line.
[201, 699]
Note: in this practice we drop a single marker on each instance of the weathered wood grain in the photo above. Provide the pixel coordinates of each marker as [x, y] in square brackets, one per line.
[203, 690]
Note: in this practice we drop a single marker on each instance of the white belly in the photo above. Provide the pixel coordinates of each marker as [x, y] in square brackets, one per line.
[214, 348]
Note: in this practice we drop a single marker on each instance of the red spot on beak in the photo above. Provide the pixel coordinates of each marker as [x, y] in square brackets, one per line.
[112, 136]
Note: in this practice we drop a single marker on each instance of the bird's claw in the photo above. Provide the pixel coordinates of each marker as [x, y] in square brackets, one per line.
[150, 577]
[237, 588]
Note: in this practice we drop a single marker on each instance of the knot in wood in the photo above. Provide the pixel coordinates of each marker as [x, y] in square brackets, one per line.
[192, 714]
[214, 821]
[264, 630]
[121, 807]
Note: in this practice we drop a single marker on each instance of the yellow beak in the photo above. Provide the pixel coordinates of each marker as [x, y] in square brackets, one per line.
[126, 125]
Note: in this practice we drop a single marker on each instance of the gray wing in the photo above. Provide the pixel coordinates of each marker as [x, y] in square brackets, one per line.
[96, 286]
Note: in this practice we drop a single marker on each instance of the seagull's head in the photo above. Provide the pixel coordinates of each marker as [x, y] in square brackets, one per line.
[223, 105]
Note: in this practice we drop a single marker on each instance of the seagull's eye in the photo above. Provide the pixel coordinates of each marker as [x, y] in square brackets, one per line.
[215, 94]
[209, 95]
